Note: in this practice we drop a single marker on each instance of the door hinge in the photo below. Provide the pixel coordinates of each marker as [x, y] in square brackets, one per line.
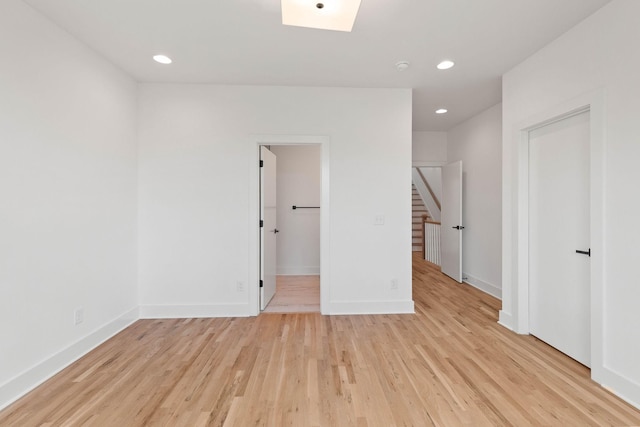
[261, 223]
[261, 163]
[261, 284]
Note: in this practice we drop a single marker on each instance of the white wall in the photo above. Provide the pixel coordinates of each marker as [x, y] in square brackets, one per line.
[599, 54]
[433, 175]
[194, 193]
[298, 183]
[67, 199]
[478, 143]
[429, 147]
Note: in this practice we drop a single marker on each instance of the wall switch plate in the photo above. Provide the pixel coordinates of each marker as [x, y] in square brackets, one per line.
[78, 316]
[239, 286]
[378, 220]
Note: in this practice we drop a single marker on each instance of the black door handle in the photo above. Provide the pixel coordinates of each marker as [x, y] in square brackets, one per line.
[458, 227]
[275, 230]
[584, 252]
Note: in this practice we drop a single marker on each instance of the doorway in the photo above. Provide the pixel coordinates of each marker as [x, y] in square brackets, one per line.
[255, 142]
[515, 311]
[441, 189]
[290, 241]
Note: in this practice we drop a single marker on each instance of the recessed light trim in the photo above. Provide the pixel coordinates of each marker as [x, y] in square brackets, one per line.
[441, 111]
[446, 64]
[162, 59]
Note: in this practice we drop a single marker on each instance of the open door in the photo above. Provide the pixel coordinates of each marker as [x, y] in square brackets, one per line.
[268, 230]
[451, 220]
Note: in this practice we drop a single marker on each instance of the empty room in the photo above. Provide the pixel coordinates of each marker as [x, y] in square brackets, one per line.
[327, 213]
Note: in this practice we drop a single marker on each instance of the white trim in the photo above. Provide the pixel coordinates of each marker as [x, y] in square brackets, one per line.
[254, 143]
[485, 287]
[23, 383]
[595, 103]
[371, 307]
[194, 311]
[299, 271]
[625, 389]
[505, 319]
[428, 164]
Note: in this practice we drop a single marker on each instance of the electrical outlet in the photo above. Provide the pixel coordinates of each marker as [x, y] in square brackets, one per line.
[78, 316]
[239, 286]
[394, 284]
[378, 220]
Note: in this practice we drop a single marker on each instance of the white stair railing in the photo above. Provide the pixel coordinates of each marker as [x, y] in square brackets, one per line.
[431, 241]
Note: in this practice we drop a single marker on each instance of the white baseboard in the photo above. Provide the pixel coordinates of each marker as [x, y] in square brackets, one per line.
[485, 287]
[370, 307]
[194, 311]
[33, 377]
[298, 271]
[624, 388]
[505, 319]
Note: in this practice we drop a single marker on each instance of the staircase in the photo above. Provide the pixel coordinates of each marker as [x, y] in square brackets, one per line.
[418, 210]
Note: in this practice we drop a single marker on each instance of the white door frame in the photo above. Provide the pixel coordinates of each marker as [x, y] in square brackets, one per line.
[593, 102]
[428, 164]
[255, 141]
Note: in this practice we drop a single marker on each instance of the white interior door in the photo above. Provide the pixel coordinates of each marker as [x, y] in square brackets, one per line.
[559, 278]
[268, 231]
[451, 221]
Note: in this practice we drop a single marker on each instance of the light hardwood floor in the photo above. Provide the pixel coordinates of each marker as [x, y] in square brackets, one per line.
[296, 294]
[450, 364]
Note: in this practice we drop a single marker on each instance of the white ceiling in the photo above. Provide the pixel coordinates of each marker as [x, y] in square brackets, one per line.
[243, 42]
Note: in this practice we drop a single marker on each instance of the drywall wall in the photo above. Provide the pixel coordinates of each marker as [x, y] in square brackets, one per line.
[600, 55]
[478, 143]
[298, 183]
[67, 195]
[433, 175]
[429, 147]
[197, 145]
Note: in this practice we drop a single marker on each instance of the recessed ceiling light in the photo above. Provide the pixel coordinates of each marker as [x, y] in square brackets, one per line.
[402, 65]
[162, 59]
[441, 111]
[338, 15]
[445, 65]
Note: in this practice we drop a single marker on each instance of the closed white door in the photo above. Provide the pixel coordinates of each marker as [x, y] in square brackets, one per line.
[559, 277]
[268, 229]
[451, 221]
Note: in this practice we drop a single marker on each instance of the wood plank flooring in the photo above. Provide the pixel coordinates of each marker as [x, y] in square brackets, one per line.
[450, 364]
[295, 294]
